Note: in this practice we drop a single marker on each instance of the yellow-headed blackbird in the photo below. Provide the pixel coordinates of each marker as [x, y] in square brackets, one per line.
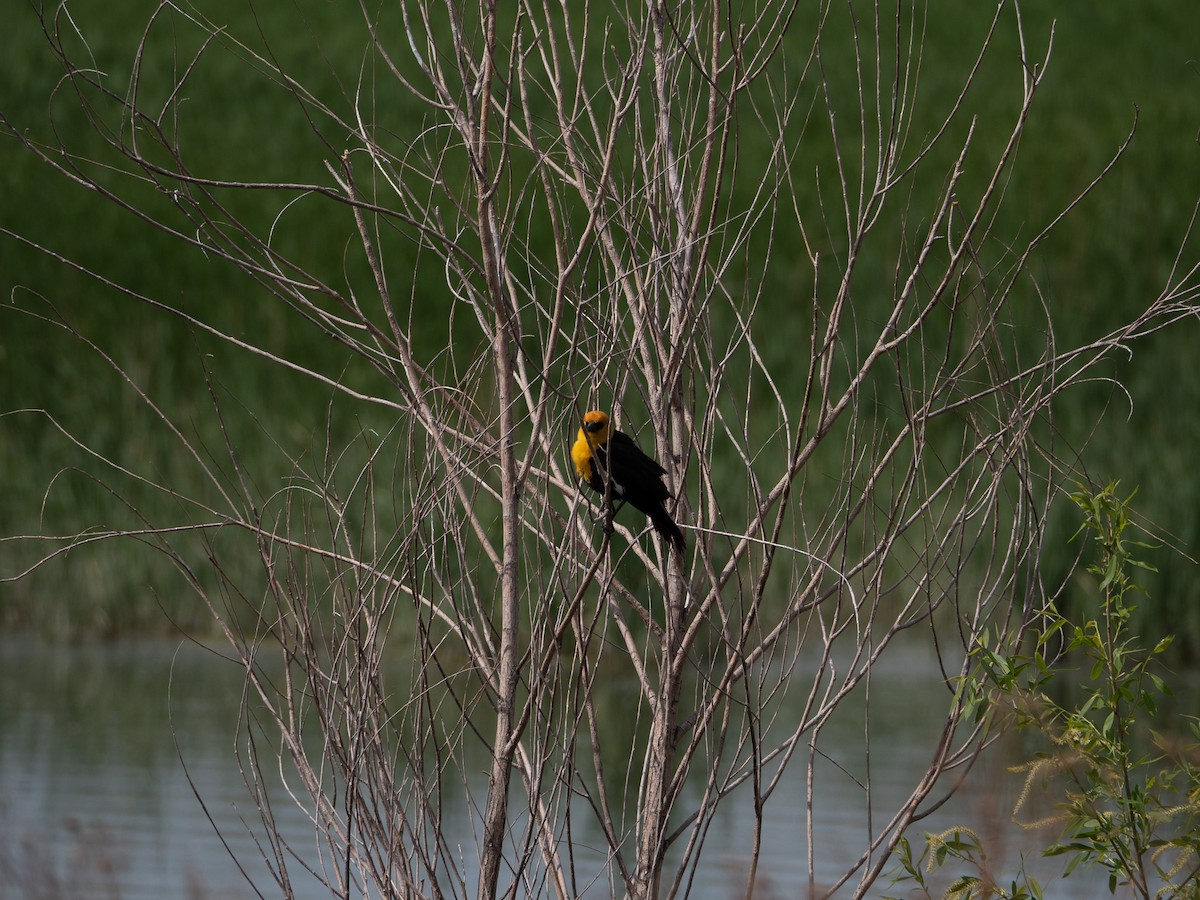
[601, 452]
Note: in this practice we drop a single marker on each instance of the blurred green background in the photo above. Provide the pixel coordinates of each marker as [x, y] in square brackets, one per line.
[1109, 259]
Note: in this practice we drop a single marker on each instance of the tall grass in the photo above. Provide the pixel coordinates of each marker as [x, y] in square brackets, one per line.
[1109, 61]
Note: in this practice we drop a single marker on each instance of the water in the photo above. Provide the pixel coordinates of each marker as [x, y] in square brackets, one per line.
[103, 749]
[93, 784]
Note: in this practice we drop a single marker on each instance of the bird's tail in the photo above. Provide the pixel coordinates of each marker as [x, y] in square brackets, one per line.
[665, 525]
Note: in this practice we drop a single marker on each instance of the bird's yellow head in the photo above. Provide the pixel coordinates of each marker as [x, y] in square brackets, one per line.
[596, 428]
[593, 435]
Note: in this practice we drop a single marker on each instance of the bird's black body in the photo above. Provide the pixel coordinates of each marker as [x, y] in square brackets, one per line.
[601, 452]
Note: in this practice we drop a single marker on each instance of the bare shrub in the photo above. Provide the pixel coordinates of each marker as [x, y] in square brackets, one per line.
[737, 228]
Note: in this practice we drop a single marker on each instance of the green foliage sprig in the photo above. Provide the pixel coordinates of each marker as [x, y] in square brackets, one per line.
[1127, 797]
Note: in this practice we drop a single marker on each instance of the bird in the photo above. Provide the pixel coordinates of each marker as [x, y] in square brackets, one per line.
[601, 451]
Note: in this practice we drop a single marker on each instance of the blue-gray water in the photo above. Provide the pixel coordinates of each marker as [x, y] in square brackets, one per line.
[98, 743]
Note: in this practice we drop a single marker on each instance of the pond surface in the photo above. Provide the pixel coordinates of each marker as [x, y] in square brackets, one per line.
[103, 749]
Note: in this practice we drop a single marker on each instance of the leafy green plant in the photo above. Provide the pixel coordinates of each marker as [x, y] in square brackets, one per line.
[1127, 797]
[964, 846]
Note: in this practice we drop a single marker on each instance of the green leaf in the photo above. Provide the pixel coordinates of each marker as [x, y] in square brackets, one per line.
[1110, 572]
[962, 884]
[1148, 703]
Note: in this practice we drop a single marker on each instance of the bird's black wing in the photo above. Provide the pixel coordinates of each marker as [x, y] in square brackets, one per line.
[639, 476]
[637, 479]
